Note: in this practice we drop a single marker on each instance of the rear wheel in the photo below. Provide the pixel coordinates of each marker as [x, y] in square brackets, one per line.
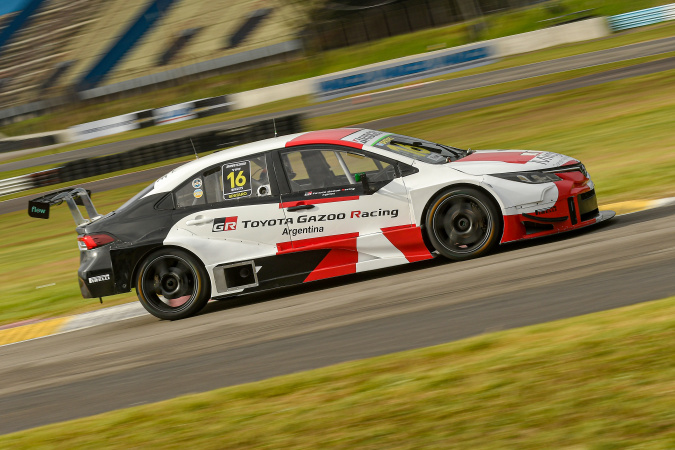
[172, 284]
[463, 223]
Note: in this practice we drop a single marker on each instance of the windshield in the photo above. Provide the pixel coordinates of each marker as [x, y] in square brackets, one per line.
[136, 197]
[419, 149]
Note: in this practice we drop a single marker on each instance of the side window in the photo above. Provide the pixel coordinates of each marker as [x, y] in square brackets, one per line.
[191, 193]
[245, 178]
[315, 169]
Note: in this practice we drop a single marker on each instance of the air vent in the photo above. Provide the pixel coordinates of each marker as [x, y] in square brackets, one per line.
[235, 276]
[535, 227]
[573, 210]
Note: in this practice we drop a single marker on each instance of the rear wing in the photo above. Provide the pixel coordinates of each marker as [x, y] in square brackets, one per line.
[39, 207]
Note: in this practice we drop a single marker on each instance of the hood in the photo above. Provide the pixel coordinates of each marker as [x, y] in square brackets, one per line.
[485, 162]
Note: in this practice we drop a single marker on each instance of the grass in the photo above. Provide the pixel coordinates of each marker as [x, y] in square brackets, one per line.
[621, 130]
[36, 253]
[499, 24]
[599, 381]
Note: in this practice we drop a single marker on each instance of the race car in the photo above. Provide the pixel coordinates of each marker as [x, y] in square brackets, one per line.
[315, 205]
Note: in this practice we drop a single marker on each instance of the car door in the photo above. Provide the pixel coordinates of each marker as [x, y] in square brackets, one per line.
[229, 215]
[348, 202]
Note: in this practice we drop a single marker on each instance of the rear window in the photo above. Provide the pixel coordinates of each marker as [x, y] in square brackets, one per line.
[136, 197]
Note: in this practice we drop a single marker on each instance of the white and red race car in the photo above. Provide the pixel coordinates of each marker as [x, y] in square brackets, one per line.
[316, 205]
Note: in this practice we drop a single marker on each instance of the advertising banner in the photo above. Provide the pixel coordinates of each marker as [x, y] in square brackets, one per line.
[174, 113]
[105, 127]
[408, 69]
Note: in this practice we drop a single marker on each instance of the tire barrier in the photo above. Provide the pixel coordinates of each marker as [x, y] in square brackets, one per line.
[154, 153]
[12, 144]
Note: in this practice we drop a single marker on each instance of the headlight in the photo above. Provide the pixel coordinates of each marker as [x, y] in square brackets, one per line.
[529, 177]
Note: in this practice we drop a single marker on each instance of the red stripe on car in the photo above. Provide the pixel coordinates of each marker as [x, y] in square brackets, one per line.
[326, 137]
[408, 239]
[341, 260]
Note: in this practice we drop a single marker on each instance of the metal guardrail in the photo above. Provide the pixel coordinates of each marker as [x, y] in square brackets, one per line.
[642, 17]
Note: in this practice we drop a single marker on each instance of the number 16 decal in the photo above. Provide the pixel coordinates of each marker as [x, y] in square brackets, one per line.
[237, 180]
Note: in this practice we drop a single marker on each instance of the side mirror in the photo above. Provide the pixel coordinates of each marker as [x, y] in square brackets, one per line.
[363, 178]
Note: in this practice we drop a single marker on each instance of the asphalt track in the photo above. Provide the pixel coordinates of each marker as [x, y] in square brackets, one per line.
[625, 261]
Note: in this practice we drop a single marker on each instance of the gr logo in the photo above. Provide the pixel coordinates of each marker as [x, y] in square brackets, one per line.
[225, 223]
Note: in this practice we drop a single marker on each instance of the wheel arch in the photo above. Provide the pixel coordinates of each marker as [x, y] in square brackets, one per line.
[478, 186]
[149, 250]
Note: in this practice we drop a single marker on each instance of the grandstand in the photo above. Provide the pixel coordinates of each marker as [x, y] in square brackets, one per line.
[40, 48]
[217, 21]
[64, 39]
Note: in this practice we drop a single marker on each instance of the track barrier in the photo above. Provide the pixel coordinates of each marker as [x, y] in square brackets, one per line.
[154, 153]
[642, 17]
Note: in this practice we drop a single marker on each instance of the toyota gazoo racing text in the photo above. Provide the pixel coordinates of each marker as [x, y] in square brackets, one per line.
[316, 205]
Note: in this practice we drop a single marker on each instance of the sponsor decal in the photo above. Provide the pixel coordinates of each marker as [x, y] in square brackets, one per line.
[38, 209]
[329, 192]
[237, 180]
[379, 213]
[174, 113]
[197, 183]
[306, 218]
[363, 136]
[296, 231]
[540, 212]
[443, 62]
[198, 193]
[548, 158]
[99, 278]
[225, 224]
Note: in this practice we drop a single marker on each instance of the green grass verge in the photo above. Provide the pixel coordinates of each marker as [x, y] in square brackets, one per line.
[39, 261]
[600, 381]
[499, 24]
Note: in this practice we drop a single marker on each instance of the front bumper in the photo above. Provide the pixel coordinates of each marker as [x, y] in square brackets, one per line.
[96, 275]
[572, 211]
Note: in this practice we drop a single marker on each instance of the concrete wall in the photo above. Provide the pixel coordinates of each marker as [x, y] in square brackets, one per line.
[270, 94]
[505, 46]
[550, 37]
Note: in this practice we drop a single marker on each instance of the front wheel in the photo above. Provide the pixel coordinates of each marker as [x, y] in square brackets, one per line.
[463, 223]
[171, 284]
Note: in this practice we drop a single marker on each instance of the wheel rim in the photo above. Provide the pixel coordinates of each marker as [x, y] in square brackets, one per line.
[462, 223]
[169, 283]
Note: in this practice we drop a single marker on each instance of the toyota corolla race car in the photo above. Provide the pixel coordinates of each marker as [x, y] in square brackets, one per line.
[316, 205]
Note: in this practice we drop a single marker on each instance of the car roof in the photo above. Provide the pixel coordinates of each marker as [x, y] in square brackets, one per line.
[349, 137]
[179, 174]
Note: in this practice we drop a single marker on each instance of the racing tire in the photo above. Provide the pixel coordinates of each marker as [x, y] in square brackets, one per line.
[172, 284]
[463, 223]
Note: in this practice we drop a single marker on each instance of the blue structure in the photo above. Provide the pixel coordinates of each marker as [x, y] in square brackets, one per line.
[144, 22]
[642, 17]
[18, 22]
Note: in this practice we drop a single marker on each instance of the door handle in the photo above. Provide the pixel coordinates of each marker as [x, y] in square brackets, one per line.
[199, 220]
[299, 207]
